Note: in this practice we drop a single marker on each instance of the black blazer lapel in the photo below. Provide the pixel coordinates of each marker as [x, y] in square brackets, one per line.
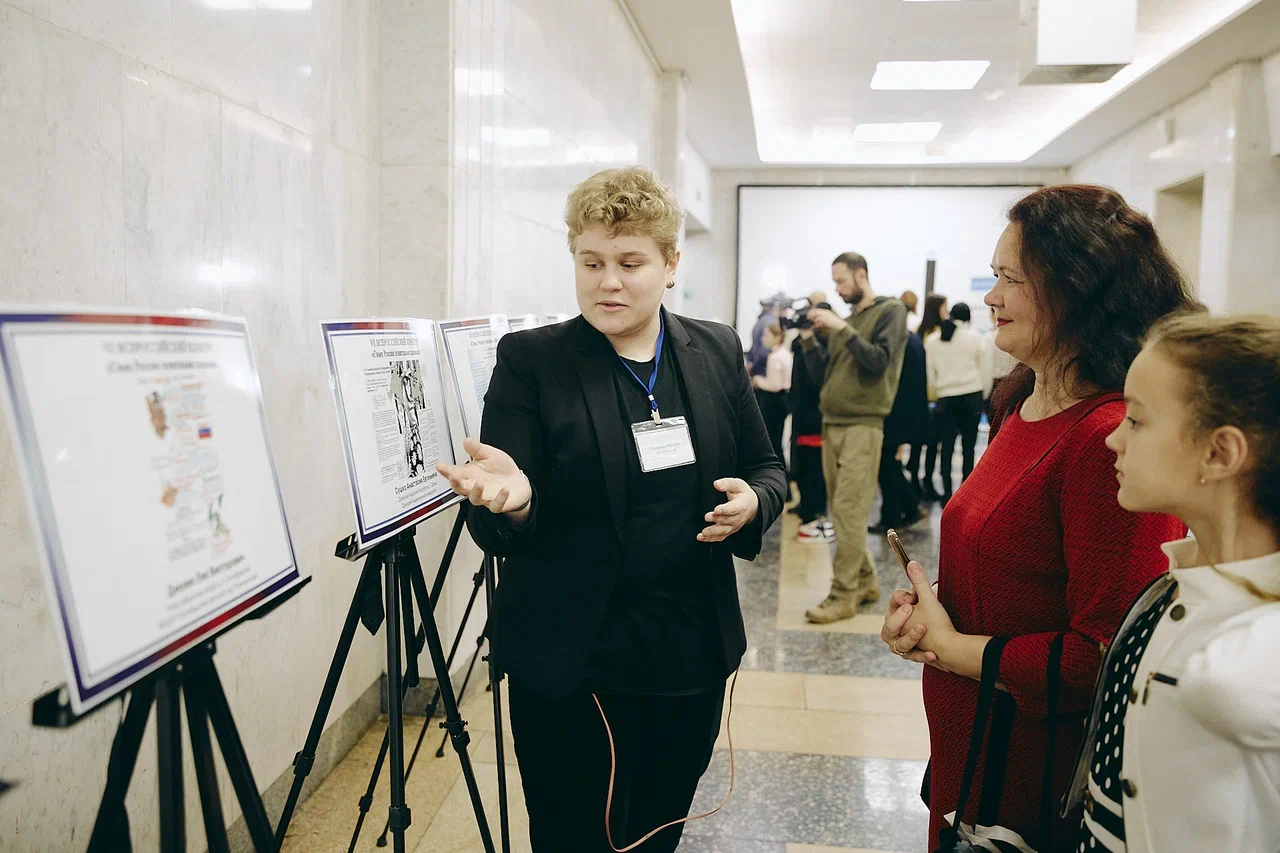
[698, 382]
[595, 372]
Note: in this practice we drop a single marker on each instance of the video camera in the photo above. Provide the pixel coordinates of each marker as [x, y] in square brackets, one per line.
[797, 314]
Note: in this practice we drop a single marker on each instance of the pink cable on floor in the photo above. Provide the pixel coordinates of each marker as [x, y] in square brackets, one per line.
[613, 770]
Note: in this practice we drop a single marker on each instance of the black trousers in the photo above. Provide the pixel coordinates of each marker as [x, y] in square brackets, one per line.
[773, 408]
[663, 743]
[806, 469]
[897, 502]
[958, 416]
[929, 450]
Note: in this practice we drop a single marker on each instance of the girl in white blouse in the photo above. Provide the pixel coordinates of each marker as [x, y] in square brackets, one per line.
[1183, 750]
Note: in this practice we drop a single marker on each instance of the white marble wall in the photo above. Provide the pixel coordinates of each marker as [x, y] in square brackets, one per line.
[1222, 134]
[169, 154]
[546, 93]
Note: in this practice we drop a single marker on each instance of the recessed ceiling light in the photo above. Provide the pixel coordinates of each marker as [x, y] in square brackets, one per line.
[907, 131]
[948, 75]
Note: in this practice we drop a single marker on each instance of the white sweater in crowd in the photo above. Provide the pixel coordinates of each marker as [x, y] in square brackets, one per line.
[962, 365]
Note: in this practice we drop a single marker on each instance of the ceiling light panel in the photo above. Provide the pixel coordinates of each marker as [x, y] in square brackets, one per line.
[907, 131]
[946, 75]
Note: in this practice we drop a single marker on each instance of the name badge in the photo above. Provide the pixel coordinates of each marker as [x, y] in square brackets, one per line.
[663, 445]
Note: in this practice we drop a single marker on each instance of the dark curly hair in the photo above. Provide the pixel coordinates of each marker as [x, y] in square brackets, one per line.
[1102, 279]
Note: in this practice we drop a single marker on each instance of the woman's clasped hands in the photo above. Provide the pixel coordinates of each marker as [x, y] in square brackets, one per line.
[917, 625]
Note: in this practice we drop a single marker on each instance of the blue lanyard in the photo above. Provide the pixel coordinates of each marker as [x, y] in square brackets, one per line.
[653, 380]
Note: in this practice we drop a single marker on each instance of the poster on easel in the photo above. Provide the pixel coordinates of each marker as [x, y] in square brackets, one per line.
[472, 348]
[521, 322]
[155, 503]
[389, 392]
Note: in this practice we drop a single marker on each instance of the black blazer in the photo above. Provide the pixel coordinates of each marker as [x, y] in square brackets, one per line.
[908, 421]
[552, 406]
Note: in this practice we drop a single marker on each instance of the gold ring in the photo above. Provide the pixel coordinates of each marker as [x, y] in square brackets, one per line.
[895, 648]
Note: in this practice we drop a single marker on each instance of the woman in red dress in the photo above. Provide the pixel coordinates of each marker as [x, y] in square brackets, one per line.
[1034, 543]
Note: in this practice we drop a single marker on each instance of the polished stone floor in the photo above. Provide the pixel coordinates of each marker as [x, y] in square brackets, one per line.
[829, 735]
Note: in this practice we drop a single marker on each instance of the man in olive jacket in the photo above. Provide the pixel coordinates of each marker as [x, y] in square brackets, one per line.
[862, 364]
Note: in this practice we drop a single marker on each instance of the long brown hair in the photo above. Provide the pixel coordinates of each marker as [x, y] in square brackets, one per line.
[932, 317]
[1101, 279]
[1232, 365]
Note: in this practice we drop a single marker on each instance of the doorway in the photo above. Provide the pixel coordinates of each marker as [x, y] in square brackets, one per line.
[1179, 213]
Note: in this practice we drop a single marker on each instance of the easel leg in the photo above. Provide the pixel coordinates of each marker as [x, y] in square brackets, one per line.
[495, 680]
[453, 719]
[206, 772]
[237, 761]
[111, 828]
[411, 645]
[398, 814]
[466, 682]
[435, 697]
[415, 641]
[173, 831]
[303, 761]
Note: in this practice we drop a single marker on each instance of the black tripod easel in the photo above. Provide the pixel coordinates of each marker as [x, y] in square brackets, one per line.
[194, 678]
[396, 560]
[485, 578]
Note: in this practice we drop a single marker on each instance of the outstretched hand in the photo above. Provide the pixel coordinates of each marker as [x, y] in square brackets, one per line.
[492, 479]
[732, 515]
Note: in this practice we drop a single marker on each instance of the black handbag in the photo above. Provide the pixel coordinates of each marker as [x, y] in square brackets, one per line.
[995, 712]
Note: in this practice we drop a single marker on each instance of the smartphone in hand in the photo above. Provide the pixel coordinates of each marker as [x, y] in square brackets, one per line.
[900, 552]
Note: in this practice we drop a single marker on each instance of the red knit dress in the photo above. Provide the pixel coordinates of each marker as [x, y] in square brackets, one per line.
[1033, 544]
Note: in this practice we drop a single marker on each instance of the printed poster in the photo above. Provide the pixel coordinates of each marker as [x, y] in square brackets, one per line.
[153, 491]
[520, 322]
[472, 347]
[389, 391]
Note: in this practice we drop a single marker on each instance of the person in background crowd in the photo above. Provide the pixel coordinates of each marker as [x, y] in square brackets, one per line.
[806, 433]
[618, 604]
[863, 362]
[770, 310]
[907, 423]
[1190, 681]
[772, 387]
[909, 299]
[935, 312]
[959, 379]
[1035, 545]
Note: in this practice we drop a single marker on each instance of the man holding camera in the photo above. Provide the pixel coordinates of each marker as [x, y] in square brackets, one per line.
[862, 364]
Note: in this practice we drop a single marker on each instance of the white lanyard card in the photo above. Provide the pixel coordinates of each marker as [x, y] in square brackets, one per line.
[663, 444]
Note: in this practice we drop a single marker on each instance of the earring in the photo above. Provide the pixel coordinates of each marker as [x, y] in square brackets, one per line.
[1203, 481]
[671, 284]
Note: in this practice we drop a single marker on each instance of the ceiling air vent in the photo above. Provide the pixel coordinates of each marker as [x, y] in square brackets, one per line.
[1075, 41]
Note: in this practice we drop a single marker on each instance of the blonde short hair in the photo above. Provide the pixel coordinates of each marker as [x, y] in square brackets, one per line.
[626, 201]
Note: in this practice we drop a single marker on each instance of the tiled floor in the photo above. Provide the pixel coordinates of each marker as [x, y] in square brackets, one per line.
[828, 731]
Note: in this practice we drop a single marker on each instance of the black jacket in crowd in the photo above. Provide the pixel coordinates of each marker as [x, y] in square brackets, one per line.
[806, 386]
[908, 421]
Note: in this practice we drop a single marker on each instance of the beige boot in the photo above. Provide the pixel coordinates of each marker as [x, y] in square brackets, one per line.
[834, 608]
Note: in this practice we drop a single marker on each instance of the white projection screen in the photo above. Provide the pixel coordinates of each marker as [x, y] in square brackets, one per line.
[788, 236]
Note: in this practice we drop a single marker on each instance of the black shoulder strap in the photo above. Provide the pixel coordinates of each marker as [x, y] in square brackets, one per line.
[986, 694]
[1053, 678]
[997, 710]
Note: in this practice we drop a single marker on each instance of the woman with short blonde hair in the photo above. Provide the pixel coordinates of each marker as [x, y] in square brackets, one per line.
[624, 465]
